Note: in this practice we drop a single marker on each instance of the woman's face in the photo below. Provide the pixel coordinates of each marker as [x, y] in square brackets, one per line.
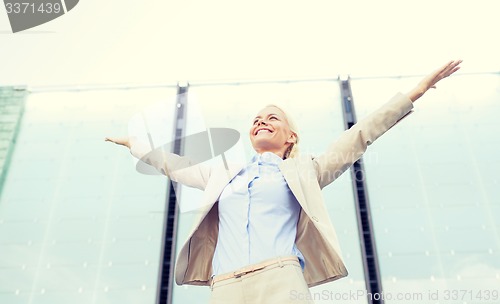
[270, 132]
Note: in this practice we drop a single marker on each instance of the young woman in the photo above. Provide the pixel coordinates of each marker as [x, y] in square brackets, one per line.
[264, 235]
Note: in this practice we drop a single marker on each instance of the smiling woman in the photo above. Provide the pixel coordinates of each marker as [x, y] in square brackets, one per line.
[274, 131]
[264, 234]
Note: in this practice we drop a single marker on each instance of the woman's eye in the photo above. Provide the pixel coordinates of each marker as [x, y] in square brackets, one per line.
[273, 118]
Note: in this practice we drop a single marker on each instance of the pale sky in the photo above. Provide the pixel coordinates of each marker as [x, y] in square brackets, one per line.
[158, 41]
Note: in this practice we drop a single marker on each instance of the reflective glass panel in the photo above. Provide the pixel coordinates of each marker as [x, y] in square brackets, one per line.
[78, 224]
[434, 190]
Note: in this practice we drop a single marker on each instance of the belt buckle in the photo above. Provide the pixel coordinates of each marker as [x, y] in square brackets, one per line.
[238, 274]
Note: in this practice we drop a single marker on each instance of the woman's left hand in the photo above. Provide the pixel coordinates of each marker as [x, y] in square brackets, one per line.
[432, 79]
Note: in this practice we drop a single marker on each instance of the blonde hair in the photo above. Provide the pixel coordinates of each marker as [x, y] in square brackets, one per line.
[292, 150]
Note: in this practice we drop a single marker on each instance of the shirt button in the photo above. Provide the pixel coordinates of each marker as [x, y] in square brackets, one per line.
[315, 219]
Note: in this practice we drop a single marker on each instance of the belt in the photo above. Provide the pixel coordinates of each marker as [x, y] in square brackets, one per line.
[252, 268]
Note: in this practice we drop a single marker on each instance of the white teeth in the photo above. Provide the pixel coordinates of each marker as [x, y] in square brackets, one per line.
[263, 130]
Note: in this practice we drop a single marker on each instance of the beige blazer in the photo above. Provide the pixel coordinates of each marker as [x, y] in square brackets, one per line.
[305, 175]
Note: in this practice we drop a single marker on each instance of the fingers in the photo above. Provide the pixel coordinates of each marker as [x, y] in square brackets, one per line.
[446, 70]
[452, 64]
[123, 141]
[455, 66]
[113, 140]
[451, 67]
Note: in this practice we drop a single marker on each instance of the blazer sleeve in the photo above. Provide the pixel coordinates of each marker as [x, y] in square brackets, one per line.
[180, 169]
[349, 147]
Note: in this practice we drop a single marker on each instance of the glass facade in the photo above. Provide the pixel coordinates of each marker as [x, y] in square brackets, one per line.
[78, 223]
[11, 110]
[433, 187]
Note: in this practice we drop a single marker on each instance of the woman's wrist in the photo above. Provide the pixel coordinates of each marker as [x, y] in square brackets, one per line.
[416, 93]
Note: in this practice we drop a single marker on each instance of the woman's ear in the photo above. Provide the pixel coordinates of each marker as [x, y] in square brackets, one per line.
[292, 138]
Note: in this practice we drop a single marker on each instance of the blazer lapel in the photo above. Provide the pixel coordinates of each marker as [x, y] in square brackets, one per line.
[216, 184]
[221, 178]
[291, 174]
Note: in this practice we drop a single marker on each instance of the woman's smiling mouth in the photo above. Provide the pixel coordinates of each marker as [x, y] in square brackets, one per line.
[262, 130]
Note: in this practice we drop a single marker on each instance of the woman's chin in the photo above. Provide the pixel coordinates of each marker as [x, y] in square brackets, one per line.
[261, 147]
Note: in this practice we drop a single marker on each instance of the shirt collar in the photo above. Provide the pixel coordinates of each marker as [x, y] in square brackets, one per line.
[267, 157]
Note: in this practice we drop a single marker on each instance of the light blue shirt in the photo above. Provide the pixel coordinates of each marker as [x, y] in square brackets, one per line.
[258, 217]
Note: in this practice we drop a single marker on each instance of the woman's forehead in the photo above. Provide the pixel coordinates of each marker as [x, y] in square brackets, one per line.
[270, 110]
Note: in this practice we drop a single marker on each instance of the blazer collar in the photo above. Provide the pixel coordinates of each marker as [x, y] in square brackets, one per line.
[291, 174]
[221, 177]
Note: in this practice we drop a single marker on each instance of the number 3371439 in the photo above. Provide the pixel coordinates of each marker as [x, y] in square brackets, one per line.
[32, 8]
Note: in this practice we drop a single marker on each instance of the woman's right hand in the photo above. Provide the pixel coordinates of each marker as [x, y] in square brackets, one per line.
[122, 141]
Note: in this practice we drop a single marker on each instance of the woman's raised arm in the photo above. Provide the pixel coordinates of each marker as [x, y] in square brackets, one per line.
[177, 168]
[349, 147]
